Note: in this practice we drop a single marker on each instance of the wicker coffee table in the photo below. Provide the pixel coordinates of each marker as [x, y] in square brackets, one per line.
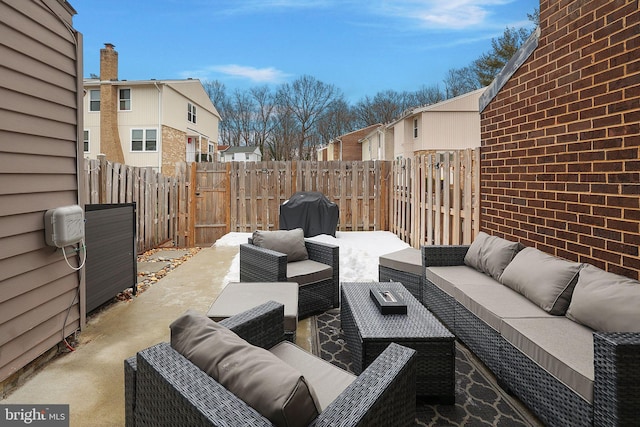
[368, 333]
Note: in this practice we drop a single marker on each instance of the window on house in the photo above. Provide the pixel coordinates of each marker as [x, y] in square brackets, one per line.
[415, 128]
[124, 96]
[144, 140]
[191, 112]
[94, 100]
[86, 141]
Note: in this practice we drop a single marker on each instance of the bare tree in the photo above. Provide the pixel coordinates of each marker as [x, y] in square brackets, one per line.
[217, 93]
[384, 107]
[428, 95]
[264, 103]
[282, 141]
[337, 120]
[306, 99]
[460, 81]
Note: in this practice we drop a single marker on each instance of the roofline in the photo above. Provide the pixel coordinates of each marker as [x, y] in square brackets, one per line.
[516, 61]
[424, 108]
[98, 82]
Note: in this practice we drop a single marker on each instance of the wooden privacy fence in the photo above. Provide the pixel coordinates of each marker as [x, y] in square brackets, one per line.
[243, 197]
[435, 198]
[157, 197]
[431, 199]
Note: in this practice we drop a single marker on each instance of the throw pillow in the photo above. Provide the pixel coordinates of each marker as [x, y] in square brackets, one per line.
[605, 301]
[270, 386]
[490, 254]
[289, 242]
[545, 280]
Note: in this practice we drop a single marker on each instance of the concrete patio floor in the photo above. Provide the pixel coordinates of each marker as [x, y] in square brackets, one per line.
[91, 378]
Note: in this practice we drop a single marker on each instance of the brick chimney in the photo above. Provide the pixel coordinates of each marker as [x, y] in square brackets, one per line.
[110, 144]
[108, 63]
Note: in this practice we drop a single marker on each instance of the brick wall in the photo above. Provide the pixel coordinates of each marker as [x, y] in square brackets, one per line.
[560, 159]
[173, 149]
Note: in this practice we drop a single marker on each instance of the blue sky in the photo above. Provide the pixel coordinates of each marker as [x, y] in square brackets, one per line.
[360, 46]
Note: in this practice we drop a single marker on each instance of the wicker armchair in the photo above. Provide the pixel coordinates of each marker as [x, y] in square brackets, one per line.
[264, 265]
[162, 388]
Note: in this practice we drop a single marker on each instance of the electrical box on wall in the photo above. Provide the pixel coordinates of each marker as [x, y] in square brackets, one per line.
[64, 226]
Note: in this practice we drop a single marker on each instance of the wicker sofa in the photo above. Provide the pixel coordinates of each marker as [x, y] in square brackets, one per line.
[567, 373]
[318, 276]
[163, 388]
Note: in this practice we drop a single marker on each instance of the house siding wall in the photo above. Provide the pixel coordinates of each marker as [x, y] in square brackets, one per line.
[40, 124]
[560, 159]
[452, 130]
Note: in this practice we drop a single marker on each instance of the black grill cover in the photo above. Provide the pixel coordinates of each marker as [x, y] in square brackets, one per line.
[311, 211]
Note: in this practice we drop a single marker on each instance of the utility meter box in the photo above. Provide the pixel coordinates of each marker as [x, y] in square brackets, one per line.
[64, 226]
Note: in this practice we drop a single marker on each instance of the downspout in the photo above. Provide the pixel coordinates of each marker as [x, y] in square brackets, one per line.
[159, 136]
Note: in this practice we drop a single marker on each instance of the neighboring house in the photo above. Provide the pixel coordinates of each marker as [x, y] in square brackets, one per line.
[345, 147]
[453, 124]
[154, 123]
[560, 137]
[41, 297]
[241, 154]
[378, 144]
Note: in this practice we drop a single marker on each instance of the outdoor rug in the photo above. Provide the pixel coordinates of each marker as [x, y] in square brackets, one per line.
[479, 400]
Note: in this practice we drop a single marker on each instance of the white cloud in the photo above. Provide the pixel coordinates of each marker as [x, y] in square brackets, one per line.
[255, 75]
[440, 14]
[258, 75]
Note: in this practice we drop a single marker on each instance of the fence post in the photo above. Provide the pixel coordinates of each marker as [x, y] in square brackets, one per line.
[191, 232]
[102, 174]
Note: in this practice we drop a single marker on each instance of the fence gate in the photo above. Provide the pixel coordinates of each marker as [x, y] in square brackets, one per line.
[212, 203]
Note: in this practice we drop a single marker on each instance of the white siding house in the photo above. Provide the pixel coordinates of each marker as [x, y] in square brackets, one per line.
[241, 154]
[153, 123]
[453, 124]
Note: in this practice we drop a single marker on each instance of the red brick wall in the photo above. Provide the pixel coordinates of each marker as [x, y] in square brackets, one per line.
[560, 161]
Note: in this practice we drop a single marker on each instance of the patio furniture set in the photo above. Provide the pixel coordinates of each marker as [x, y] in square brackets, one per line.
[512, 306]
[564, 337]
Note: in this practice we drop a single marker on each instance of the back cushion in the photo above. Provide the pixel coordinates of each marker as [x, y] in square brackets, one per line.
[545, 280]
[289, 242]
[490, 254]
[267, 384]
[605, 301]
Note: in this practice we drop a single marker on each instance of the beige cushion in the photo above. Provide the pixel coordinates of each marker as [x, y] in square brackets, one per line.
[288, 242]
[605, 301]
[561, 347]
[493, 303]
[448, 277]
[546, 280]
[276, 390]
[308, 271]
[408, 260]
[491, 254]
[327, 380]
[238, 297]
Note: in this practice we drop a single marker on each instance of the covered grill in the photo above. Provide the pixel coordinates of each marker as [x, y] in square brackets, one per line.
[311, 211]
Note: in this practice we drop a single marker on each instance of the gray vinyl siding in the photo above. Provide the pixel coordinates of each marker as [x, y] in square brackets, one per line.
[40, 120]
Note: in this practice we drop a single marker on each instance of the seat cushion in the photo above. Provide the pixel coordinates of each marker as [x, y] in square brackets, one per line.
[492, 303]
[491, 254]
[446, 278]
[408, 260]
[276, 390]
[308, 271]
[327, 380]
[238, 297]
[289, 242]
[561, 347]
[605, 301]
[546, 280]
